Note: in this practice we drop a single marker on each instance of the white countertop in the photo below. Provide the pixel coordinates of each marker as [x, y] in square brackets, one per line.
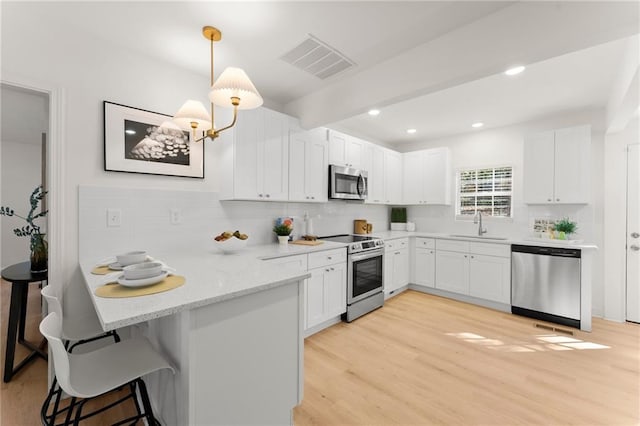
[210, 277]
[392, 235]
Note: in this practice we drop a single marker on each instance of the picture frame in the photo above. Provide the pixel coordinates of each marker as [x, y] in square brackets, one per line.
[147, 142]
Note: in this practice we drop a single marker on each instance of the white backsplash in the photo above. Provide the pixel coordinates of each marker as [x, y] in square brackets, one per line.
[146, 221]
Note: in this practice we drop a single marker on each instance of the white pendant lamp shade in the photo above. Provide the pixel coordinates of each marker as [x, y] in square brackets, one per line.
[193, 111]
[234, 82]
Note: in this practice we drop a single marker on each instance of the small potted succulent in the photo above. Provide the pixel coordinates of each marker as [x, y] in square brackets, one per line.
[283, 231]
[564, 228]
[39, 247]
[398, 218]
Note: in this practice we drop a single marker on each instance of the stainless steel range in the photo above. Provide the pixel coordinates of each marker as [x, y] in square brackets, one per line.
[365, 260]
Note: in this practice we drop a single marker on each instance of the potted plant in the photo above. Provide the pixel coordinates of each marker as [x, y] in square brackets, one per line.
[565, 227]
[38, 246]
[282, 230]
[398, 218]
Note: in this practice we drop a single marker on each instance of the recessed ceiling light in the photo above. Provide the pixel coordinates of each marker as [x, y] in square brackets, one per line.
[130, 132]
[374, 112]
[514, 70]
[478, 124]
[411, 131]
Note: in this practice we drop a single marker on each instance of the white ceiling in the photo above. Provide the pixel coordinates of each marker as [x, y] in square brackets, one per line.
[431, 65]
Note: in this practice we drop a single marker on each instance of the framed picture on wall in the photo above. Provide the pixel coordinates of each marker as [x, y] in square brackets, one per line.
[140, 141]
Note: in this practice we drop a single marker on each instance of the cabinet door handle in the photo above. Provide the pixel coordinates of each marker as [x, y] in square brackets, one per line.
[397, 252]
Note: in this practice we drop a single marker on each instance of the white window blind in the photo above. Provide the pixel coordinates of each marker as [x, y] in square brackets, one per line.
[487, 190]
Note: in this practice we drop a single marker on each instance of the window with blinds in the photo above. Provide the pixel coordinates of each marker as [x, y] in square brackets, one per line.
[486, 190]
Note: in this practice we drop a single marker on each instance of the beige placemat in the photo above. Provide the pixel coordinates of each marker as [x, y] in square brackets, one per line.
[116, 290]
[101, 270]
[306, 243]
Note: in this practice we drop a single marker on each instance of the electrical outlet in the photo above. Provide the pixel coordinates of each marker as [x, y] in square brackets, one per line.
[114, 217]
[175, 216]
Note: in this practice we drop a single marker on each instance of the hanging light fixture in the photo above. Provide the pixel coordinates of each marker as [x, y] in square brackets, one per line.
[233, 89]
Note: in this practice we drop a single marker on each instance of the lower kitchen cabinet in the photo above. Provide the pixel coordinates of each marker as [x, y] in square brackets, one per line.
[452, 271]
[325, 294]
[425, 270]
[396, 265]
[490, 278]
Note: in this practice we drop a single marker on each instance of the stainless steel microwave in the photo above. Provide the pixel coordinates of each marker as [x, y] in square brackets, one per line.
[346, 183]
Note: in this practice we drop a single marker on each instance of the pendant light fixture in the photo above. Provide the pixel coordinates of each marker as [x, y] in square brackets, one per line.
[233, 89]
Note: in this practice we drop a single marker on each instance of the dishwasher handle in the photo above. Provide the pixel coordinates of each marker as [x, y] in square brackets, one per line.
[547, 251]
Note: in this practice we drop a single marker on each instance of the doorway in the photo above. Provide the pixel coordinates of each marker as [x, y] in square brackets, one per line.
[633, 233]
[23, 159]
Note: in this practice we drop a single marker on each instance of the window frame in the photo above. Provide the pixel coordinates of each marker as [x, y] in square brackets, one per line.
[458, 194]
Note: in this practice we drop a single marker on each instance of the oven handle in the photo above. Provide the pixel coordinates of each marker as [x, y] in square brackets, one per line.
[367, 255]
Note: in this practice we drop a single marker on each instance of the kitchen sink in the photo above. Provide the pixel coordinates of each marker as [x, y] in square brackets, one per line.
[477, 237]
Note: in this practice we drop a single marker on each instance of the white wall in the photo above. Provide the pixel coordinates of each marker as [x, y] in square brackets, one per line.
[21, 173]
[504, 146]
[615, 158]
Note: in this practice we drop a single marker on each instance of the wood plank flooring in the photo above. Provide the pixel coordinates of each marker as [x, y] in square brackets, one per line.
[423, 359]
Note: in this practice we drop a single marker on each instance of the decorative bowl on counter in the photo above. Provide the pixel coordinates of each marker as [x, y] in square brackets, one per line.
[232, 245]
[140, 271]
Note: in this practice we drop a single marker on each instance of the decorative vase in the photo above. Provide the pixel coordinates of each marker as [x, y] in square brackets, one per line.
[561, 235]
[39, 253]
[283, 239]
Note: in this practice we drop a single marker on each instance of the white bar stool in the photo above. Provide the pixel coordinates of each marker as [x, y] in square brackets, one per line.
[98, 372]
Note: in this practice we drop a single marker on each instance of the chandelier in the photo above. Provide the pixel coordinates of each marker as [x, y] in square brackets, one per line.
[232, 89]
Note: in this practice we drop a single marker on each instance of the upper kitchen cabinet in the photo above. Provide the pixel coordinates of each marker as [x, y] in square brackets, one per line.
[427, 177]
[308, 165]
[557, 166]
[345, 150]
[255, 162]
[376, 174]
[392, 177]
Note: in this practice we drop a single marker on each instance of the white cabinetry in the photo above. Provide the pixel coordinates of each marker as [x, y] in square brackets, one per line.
[427, 177]
[308, 165]
[345, 150]
[396, 265]
[425, 262]
[326, 290]
[557, 166]
[481, 270]
[376, 176]
[255, 162]
[392, 177]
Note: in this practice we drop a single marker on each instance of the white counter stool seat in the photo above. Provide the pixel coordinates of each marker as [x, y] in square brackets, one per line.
[75, 331]
[95, 373]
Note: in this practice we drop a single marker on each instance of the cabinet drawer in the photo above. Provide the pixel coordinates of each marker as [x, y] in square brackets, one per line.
[400, 243]
[489, 249]
[453, 245]
[328, 257]
[297, 262]
[428, 243]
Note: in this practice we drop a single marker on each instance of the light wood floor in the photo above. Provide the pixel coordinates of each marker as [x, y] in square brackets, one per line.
[427, 360]
[22, 397]
[422, 360]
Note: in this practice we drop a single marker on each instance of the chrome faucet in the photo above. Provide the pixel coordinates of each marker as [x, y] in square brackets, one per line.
[478, 219]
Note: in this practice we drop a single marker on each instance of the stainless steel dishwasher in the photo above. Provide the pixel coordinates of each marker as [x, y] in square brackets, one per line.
[545, 283]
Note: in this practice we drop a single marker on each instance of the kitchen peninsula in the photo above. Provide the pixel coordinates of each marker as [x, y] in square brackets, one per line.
[233, 332]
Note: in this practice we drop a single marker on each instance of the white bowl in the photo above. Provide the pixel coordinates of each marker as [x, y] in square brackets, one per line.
[232, 245]
[140, 271]
[131, 257]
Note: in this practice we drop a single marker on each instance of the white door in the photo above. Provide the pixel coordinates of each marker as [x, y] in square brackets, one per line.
[489, 278]
[316, 168]
[425, 267]
[539, 157]
[315, 301]
[353, 152]
[571, 167]
[298, 144]
[377, 177]
[337, 148]
[633, 231]
[436, 176]
[413, 178]
[273, 157]
[336, 290]
[452, 271]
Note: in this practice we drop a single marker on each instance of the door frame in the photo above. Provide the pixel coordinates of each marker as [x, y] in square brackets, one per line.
[627, 231]
[55, 160]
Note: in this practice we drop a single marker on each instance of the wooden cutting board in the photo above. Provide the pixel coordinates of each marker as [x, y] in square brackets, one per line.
[306, 243]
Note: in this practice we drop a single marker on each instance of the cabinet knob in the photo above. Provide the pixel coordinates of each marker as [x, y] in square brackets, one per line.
[329, 257]
[260, 195]
[313, 198]
[267, 195]
[472, 257]
[397, 252]
[557, 199]
[327, 270]
[332, 269]
[549, 199]
[635, 235]
[431, 252]
[465, 255]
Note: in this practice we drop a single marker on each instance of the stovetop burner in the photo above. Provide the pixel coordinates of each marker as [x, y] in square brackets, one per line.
[356, 243]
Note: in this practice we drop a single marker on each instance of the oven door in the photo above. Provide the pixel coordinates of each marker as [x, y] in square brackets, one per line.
[365, 275]
[347, 183]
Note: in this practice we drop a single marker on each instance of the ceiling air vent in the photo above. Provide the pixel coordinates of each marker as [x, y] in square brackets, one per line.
[317, 58]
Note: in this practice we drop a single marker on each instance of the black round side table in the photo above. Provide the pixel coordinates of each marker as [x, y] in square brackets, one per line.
[20, 276]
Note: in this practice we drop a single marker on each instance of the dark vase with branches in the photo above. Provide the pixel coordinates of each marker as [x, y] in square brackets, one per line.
[39, 247]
